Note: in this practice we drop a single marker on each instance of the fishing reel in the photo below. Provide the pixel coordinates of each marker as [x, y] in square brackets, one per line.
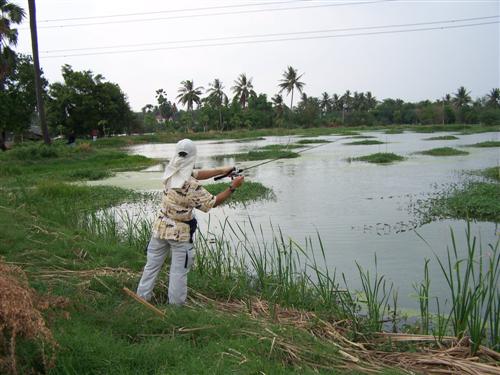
[232, 174]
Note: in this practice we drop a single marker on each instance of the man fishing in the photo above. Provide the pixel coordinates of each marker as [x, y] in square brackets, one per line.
[175, 224]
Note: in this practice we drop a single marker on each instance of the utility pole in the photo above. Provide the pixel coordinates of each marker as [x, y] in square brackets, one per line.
[38, 82]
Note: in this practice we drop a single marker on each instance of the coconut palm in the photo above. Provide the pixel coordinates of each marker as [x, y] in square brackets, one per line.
[325, 102]
[278, 105]
[243, 89]
[290, 82]
[371, 101]
[494, 97]
[189, 95]
[217, 97]
[462, 97]
[10, 14]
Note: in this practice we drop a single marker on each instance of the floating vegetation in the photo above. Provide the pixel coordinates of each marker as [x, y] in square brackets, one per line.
[394, 131]
[491, 173]
[260, 155]
[248, 192]
[365, 142]
[442, 138]
[379, 158]
[362, 136]
[486, 144]
[443, 151]
[279, 147]
[308, 141]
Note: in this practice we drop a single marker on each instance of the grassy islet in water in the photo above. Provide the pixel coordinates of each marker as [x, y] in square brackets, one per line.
[441, 138]
[379, 158]
[443, 151]
[365, 142]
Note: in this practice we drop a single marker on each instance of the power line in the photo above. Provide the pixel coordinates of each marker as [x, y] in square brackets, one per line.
[277, 40]
[215, 14]
[275, 34]
[171, 11]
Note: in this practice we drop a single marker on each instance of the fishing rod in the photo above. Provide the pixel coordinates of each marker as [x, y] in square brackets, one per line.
[237, 172]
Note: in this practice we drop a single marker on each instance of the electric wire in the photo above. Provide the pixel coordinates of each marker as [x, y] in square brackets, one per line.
[272, 34]
[213, 14]
[274, 40]
[170, 11]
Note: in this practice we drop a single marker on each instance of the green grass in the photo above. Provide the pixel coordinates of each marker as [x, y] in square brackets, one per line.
[394, 131]
[362, 136]
[442, 138]
[475, 200]
[492, 173]
[486, 144]
[379, 158]
[443, 151]
[279, 147]
[261, 155]
[248, 192]
[312, 141]
[365, 142]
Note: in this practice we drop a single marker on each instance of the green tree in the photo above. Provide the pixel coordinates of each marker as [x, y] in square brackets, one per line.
[243, 89]
[17, 98]
[84, 102]
[217, 98]
[290, 82]
[189, 95]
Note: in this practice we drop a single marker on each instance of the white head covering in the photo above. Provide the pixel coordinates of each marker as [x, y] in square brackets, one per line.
[181, 166]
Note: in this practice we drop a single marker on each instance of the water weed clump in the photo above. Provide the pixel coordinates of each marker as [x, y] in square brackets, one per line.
[472, 200]
[365, 142]
[248, 192]
[312, 141]
[492, 173]
[442, 138]
[278, 147]
[379, 158]
[443, 151]
[261, 155]
[486, 144]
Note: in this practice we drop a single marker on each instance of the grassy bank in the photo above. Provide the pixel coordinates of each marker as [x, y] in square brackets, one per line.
[379, 158]
[486, 144]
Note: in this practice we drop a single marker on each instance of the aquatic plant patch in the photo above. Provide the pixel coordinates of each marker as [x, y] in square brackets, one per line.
[492, 173]
[279, 147]
[443, 151]
[365, 142]
[486, 144]
[248, 192]
[362, 136]
[309, 141]
[394, 131]
[472, 200]
[379, 158]
[261, 155]
[441, 138]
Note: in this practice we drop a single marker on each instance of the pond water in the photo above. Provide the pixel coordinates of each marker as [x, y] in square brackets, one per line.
[359, 209]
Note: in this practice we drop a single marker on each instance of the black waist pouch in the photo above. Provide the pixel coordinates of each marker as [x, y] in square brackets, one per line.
[193, 224]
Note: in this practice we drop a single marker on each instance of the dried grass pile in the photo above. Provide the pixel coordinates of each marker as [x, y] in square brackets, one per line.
[20, 317]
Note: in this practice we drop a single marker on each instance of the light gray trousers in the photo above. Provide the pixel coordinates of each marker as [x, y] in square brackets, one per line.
[182, 259]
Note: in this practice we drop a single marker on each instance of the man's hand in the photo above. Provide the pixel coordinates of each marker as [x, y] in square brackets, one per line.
[237, 182]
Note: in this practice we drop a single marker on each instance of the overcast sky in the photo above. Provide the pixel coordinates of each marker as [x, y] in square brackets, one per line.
[410, 65]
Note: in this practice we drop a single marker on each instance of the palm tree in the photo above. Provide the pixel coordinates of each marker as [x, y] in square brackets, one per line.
[10, 14]
[494, 97]
[462, 97]
[371, 101]
[278, 105]
[189, 95]
[243, 89]
[217, 97]
[325, 103]
[290, 82]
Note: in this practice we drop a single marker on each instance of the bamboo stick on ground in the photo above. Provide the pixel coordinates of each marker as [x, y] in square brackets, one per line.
[143, 302]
